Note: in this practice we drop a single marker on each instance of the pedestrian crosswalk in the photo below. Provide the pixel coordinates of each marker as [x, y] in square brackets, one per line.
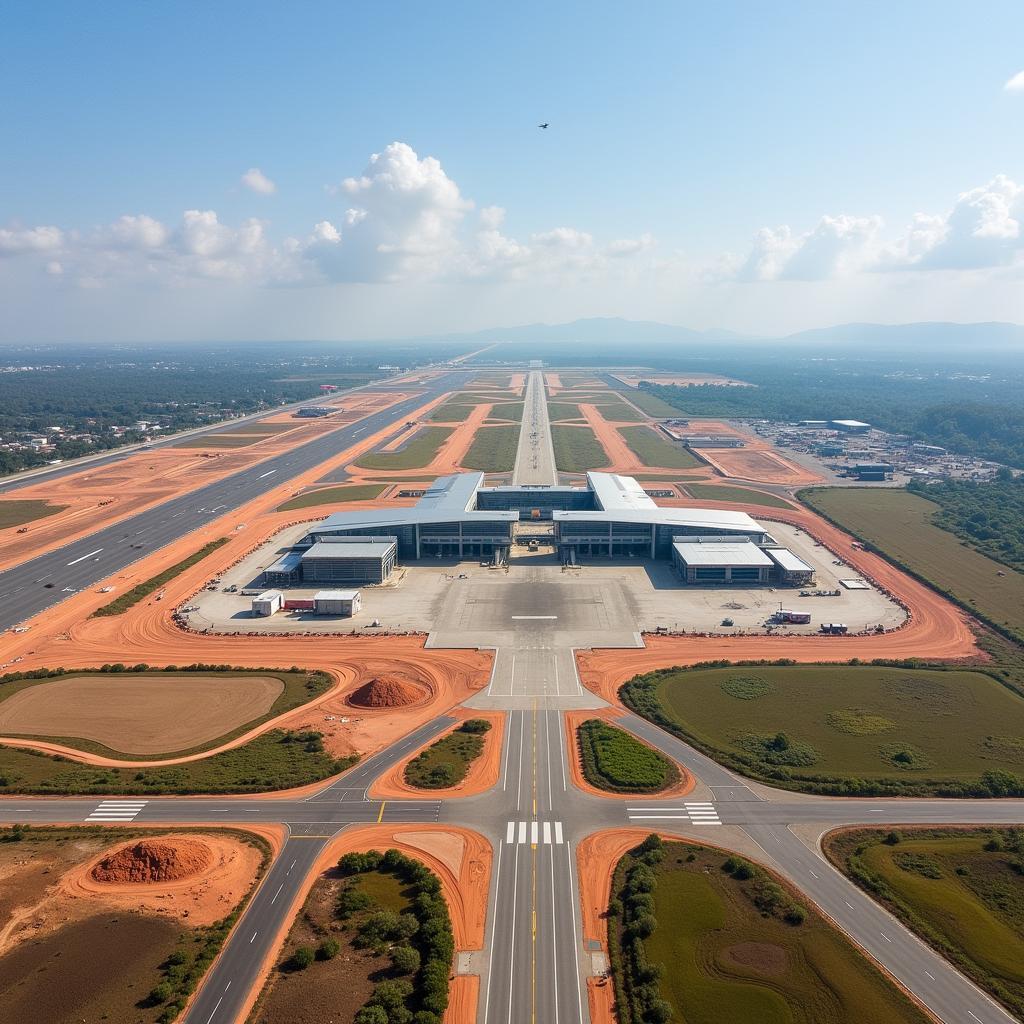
[534, 832]
[695, 812]
[117, 810]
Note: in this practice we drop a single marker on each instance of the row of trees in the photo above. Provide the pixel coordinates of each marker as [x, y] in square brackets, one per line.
[989, 516]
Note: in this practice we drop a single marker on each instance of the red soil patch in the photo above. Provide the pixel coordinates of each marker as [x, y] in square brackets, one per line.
[152, 860]
[386, 692]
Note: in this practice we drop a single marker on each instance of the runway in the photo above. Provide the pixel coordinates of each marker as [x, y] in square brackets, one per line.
[40, 583]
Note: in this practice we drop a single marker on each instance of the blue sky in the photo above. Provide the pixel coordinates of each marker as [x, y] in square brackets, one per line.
[744, 165]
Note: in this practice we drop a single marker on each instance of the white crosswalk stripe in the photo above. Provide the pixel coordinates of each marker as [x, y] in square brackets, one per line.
[117, 810]
[534, 833]
[696, 813]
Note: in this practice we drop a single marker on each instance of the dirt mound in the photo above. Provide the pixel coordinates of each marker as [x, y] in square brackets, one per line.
[154, 860]
[387, 692]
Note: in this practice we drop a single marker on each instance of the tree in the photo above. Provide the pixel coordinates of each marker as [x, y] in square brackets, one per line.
[405, 960]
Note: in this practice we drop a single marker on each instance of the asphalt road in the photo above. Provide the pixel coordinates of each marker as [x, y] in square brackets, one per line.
[25, 589]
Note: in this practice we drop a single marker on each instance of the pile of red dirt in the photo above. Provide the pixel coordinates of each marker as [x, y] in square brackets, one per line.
[386, 692]
[153, 860]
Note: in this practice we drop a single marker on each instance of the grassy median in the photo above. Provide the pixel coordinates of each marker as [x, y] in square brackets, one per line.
[493, 450]
[446, 762]
[614, 760]
[654, 450]
[577, 449]
[141, 591]
[419, 451]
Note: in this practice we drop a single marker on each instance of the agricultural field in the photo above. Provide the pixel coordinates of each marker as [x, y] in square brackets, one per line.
[18, 511]
[901, 526]
[445, 762]
[418, 452]
[727, 941]
[132, 957]
[577, 449]
[142, 590]
[653, 450]
[960, 890]
[157, 714]
[846, 729]
[713, 492]
[614, 760]
[332, 496]
[493, 450]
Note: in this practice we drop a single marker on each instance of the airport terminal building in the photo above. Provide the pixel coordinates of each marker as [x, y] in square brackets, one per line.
[611, 517]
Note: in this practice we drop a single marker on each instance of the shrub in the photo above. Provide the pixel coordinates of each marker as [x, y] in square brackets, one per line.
[301, 958]
[405, 960]
[328, 949]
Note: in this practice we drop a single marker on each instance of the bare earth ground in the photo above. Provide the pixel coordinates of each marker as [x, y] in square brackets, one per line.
[149, 715]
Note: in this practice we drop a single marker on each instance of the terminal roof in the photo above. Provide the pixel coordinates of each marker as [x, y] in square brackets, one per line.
[744, 555]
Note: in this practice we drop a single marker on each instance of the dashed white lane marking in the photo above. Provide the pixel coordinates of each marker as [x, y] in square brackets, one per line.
[117, 810]
[534, 616]
[84, 557]
[534, 832]
[269, 472]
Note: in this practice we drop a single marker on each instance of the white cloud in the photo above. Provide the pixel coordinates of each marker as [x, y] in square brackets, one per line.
[1016, 83]
[983, 229]
[15, 241]
[133, 232]
[256, 181]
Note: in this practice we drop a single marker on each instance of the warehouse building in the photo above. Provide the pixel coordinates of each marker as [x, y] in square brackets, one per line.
[850, 426]
[711, 560]
[790, 569]
[714, 441]
[349, 560]
[268, 603]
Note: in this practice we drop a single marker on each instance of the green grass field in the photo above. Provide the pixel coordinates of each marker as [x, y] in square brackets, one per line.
[614, 760]
[299, 688]
[445, 762]
[511, 412]
[844, 729]
[275, 760]
[560, 411]
[577, 449]
[493, 450]
[961, 890]
[450, 412]
[610, 407]
[654, 450]
[420, 451]
[17, 511]
[331, 496]
[734, 944]
[899, 525]
[653, 406]
[712, 492]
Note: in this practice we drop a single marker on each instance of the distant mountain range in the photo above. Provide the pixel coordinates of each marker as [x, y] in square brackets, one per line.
[602, 331]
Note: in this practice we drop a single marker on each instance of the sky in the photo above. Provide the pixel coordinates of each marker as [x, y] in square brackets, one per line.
[190, 171]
